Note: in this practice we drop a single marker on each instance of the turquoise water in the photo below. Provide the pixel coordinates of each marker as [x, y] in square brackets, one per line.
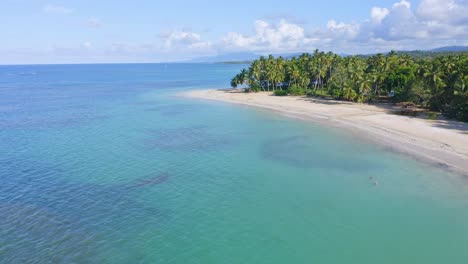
[103, 164]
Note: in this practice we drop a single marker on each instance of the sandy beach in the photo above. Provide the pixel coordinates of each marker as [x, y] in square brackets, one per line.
[441, 142]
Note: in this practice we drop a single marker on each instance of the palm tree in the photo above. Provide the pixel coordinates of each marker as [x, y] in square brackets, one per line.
[378, 67]
[234, 82]
[349, 93]
[440, 81]
[270, 71]
[278, 71]
[293, 72]
[365, 86]
[256, 72]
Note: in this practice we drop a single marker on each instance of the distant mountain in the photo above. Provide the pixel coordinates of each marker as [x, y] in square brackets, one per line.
[228, 57]
[249, 56]
[239, 57]
[420, 53]
[450, 49]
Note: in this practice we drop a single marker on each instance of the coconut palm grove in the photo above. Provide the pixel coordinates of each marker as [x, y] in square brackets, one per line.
[436, 81]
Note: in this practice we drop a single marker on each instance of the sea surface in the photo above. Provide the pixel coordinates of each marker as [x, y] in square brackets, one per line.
[105, 164]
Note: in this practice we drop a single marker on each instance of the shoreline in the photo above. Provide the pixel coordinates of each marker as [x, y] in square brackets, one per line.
[443, 143]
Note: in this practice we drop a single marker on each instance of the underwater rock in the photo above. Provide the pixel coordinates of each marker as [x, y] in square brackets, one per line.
[150, 181]
[196, 138]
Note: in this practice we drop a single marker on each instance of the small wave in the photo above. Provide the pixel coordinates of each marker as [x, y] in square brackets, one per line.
[27, 73]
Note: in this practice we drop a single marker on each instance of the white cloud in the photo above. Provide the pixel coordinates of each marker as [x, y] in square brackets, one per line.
[399, 23]
[238, 40]
[378, 14]
[56, 9]
[87, 45]
[430, 24]
[444, 11]
[397, 26]
[436, 21]
[350, 30]
[268, 36]
[402, 3]
[93, 23]
[406, 24]
[184, 39]
[433, 23]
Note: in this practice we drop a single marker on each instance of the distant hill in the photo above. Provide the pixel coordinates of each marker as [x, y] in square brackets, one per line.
[442, 51]
[238, 57]
[247, 57]
[450, 49]
[229, 57]
[426, 53]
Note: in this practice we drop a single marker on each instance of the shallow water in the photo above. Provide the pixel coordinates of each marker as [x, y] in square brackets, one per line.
[103, 164]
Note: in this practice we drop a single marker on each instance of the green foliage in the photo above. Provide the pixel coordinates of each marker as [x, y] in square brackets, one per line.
[417, 94]
[336, 93]
[280, 92]
[295, 90]
[311, 93]
[349, 93]
[457, 108]
[234, 82]
[255, 87]
[398, 80]
[437, 81]
[432, 115]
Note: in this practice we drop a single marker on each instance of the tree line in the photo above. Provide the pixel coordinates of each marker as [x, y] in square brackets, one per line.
[439, 83]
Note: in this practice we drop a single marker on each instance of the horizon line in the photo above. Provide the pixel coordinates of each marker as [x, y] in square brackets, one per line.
[193, 60]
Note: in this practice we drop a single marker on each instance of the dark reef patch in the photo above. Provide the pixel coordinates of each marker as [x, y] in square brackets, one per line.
[30, 232]
[150, 181]
[196, 138]
[303, 152]
[91, 205]
[50, 123]
[173, 110]
[293, 151]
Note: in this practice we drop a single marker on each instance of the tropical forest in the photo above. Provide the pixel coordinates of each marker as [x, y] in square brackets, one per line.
[437, 82]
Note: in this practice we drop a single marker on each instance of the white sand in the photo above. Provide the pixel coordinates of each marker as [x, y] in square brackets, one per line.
[442, 142]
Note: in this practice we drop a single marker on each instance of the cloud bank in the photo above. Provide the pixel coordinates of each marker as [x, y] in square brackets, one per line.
[399, 26]
[56, 9]
[430, 24]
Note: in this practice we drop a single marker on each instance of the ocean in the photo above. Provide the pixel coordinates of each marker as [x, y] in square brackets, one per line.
[107, 164]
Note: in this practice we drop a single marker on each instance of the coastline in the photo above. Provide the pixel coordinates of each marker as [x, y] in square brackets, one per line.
[443, 143]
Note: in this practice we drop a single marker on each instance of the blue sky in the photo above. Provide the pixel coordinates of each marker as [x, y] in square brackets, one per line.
[84, 31]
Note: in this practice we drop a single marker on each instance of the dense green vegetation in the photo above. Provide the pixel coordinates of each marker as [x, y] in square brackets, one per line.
[439, 83]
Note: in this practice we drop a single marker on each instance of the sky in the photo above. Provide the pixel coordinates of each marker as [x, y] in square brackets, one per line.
[110, 31]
